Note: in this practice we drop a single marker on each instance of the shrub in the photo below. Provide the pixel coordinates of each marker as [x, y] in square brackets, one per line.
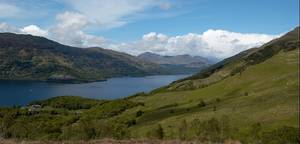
[131, 122]
[139, 113]
[201, 103]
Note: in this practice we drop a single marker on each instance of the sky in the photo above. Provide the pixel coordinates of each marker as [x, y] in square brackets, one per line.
[209, 28]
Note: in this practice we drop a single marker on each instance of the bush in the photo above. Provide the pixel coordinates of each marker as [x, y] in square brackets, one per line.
[139, 113]
[201, 103]
[131, 122]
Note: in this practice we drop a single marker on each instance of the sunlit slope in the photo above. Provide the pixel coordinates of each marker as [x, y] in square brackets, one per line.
[238, 63]
[265, 93]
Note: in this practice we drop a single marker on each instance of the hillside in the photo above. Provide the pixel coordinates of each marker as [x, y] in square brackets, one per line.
[238, 63]
[26, 57]
[257, 104]
[179, 64]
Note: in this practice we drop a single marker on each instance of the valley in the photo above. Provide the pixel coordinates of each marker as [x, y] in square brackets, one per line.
[252, 97]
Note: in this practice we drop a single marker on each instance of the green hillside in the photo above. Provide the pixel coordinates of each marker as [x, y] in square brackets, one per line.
[27, 57]
[267, 93]
[255, 103]
[239, 62]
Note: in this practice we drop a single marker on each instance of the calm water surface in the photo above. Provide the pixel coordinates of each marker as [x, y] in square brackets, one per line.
[21, 93]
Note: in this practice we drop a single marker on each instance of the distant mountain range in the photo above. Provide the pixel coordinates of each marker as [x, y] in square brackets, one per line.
[174, 60]
[27, 57]
[177, 64]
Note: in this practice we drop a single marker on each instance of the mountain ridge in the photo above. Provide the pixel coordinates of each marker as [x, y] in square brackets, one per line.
[27, 57]
[176, 60]
[178, 64]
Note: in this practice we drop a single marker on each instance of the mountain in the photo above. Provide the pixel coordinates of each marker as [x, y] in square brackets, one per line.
[27, 57]
[252, 97]
[177, 64]
[174, 60]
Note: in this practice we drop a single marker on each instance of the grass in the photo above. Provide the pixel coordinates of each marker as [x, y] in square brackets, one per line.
[272, 98]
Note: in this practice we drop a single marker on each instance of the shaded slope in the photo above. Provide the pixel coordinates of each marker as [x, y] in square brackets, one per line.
[26, 57]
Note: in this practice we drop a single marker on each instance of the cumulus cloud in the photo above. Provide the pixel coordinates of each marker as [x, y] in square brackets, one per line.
[69, 30]
[211, 43]
[31, 29]
[71, 20]
[34, 30]
[153, 36]
[8, 10]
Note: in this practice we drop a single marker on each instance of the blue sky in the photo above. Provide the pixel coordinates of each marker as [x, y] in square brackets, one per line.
[249, 16]
[124, 24]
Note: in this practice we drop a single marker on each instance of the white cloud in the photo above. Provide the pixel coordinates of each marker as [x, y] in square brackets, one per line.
[8, 10]
[211, 43]
[4, 27]
[109, 14]
[69, 30]
[153, 36]
[34, 30]
[31, 29]
[71, 20]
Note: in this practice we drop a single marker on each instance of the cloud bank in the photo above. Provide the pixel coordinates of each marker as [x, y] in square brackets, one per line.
[211, 43]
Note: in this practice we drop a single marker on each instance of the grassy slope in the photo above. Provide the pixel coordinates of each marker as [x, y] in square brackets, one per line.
[238, 63]
[273, 98]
